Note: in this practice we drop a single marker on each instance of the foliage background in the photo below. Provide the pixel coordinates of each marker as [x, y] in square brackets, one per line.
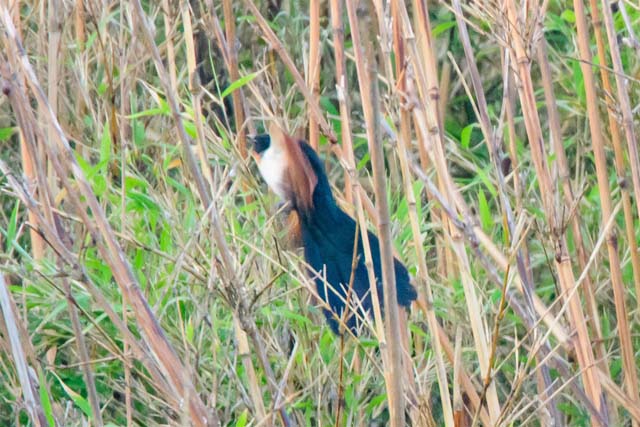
[222, 281]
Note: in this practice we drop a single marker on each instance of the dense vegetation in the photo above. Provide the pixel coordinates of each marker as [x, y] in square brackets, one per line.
[146, 273]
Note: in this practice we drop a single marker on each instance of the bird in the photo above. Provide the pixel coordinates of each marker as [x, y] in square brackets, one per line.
[294, 172]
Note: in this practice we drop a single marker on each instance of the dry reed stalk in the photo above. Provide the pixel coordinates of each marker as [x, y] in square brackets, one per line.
[233, 285]
[28, 163]
[403, 150]
[569, 198]
[393, 371]
[390, 345]
[350, 167]
[271, 37]
[623, 100]
[619, 395]
[168, 35]
[125, 134]
[493, 147]
[426, 76]
[79, 273]
[102, 233]
[465, 381]
[343, 101]
[31, 398]
[54, 27]
[626, 345]
[313, 71]
[90, 384]
[196, 90]
[458, 402]
[426, 79]
[472, 236]
[562, 259]
[618, 150]
[234, 74]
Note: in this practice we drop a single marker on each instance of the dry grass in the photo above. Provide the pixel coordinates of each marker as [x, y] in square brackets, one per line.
[146, 277]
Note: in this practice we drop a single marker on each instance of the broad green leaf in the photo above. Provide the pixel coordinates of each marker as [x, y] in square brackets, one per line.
[80, 401]
[238, 84]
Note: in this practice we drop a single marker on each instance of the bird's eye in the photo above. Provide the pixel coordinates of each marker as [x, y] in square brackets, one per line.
[261, 143]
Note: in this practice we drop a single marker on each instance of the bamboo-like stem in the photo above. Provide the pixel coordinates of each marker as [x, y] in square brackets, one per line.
[270, 36]
[83, 356]
[427, 84]
[569, 198]
[428, 90]
[491, 139]
[351, 186]
[474, 238]
[196, 90]
[392, 317]
[391, 347]
[125, 135]
[171, 50]
[54, 28]
[618, 151]
[234, 74]
[626, 345]
[562, 260]
[101, 232]
[233, 285]
[31, 399]
[313, 72]
[80, 33]
[363, 81]
[625, 104]
[423, 273]
[28, 162]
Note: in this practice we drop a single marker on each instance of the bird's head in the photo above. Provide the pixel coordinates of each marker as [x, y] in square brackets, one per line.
[285, 167]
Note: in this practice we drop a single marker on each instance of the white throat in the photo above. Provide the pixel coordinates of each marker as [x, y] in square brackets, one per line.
[272, 165]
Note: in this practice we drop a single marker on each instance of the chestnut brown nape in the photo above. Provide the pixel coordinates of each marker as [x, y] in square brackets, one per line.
[301, 180]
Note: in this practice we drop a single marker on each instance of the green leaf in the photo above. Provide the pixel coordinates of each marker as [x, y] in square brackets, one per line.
[485, 213]
[6, 133]
[569, 16]
[80, 401]
[442, 27]
[482, 176]
[105, 146]
[238, 84]
[45, 401]
[465, 135]
[12, 226]
[158, 111]
[190, 330]
[291, 315]
[242, 419]
[328, 106]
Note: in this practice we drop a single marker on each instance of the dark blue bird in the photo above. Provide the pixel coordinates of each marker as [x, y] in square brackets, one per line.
[293, 170]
